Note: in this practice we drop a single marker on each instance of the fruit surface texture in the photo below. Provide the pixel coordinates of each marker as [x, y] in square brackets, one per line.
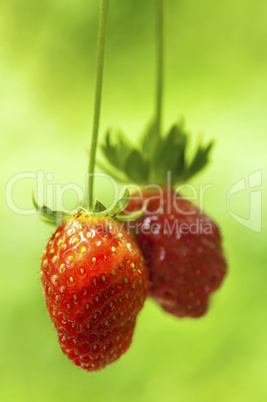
[95, 283]
[183, 251]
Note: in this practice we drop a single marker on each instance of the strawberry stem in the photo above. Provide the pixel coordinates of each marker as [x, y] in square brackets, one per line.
[160, 14]
[104, 5]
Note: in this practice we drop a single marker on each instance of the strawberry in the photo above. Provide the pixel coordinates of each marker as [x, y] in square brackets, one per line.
[95, 283]
[182, 249]
[93, 275]
[181, 245]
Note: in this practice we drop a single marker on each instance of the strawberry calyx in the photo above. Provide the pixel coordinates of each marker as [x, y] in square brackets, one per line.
[99, 210]
[154, 155]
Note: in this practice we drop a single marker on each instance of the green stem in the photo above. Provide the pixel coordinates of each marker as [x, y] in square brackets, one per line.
[104, 5]
[160, 14]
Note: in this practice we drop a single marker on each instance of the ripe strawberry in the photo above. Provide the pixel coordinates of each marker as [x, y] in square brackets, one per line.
[95, 283]
[185, 264]
[183, 251]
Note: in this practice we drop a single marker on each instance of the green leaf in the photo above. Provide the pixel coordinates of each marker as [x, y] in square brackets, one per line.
[110, 170]
[49, 216]
[199, 161]
[133, 215]
[100, 211]
[150, 140]
[98, 207]
[170, 154]
[121, 204]
[110, 150]
[155, 157]
[116, 148]
[124, 145]
[136, 167]
[178, 141]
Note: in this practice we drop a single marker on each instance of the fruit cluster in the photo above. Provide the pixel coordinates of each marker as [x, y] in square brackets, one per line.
[96, 276]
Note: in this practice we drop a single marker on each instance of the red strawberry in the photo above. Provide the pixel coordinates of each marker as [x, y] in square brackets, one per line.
[95, 283]
[183, 251]
[182, 246]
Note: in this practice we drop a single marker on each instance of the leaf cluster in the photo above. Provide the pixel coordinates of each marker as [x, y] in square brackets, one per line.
[154, 156]
[49, 216]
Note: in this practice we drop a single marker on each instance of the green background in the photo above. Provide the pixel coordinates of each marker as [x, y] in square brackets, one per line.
[216, 77]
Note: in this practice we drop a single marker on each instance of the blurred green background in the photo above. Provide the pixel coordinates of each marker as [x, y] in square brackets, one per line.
[216, 76]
